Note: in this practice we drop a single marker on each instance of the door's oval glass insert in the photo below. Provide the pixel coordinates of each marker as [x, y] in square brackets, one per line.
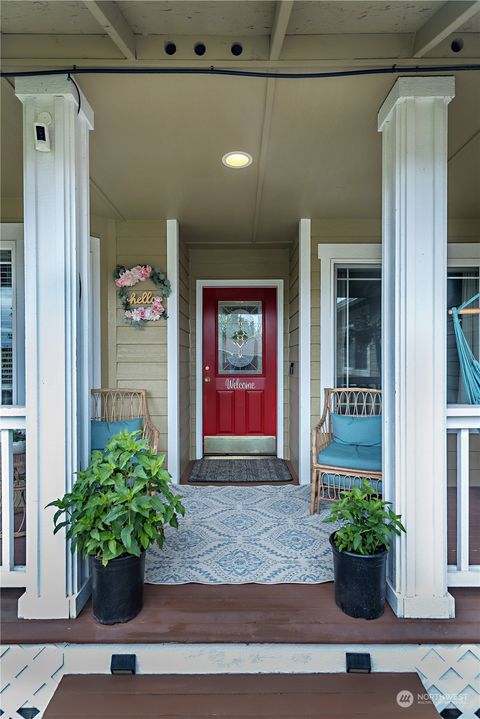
[240, 338]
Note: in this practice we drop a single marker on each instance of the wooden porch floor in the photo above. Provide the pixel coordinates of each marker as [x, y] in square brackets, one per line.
[343, 696]
[281, 613]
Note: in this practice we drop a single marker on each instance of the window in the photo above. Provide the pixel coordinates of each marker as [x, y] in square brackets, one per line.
[350, 279]
[7, 324]
[12, 315]
[463, 283]
[358, 326]
[240, 337]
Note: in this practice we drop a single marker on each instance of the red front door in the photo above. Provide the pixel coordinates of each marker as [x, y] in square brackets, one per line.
[239, 370]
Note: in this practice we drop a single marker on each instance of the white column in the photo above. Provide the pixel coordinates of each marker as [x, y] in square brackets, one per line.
[413, 120]
[56, 216]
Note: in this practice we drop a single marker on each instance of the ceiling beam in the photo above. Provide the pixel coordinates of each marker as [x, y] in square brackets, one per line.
[466, 144]
[105, 199]
[111, 19]
[283, 11]
[447, 20]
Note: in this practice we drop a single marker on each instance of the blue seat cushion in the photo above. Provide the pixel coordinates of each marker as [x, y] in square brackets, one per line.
[363, 430]
[102, 432]
[352, 456]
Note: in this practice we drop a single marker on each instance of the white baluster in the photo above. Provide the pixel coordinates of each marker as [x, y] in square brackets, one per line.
[7, 500]
[463, 466]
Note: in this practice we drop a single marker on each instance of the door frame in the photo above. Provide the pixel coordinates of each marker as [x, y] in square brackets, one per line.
[261, 284]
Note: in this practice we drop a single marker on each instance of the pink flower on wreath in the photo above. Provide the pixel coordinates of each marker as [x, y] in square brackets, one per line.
[129, 278]
[126, 279]
[157, 305]
[141, 313]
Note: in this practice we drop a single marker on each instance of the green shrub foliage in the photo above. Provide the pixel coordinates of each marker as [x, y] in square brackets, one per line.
[121, 503]
[368, 522]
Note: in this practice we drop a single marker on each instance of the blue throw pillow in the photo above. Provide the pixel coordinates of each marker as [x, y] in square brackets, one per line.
[102, 432]
[364, 430]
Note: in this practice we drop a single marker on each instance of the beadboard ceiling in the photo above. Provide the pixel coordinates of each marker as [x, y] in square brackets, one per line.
[158, 141]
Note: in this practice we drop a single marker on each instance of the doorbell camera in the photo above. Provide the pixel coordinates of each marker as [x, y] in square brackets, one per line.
[42, 137]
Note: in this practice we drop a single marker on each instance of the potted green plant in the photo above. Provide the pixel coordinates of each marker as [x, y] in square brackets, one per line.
[118, 507]
[360, 549]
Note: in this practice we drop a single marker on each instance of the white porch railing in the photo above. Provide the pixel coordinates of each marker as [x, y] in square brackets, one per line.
[11, 575]
[464, 421]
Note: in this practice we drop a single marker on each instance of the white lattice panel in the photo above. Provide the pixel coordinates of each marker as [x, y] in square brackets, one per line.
[30, 674]
[29, 677]
[451, 675]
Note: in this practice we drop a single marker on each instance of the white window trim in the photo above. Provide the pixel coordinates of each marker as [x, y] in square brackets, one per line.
[331, 255]
[12, 238]
[95, 358]
[278, 284]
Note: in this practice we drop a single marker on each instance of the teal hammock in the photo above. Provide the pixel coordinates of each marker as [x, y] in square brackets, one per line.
[469, 365]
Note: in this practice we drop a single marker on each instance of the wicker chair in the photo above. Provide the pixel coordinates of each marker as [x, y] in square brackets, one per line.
[114, 405]
[327, 481]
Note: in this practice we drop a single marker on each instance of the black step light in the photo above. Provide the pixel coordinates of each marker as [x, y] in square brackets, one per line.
[358, 663]
[170, 48]
[457, 45]
[123, 664]
[200, 49]
[236, 49]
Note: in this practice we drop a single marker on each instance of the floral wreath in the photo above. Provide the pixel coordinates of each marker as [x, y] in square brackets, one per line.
[137, 316]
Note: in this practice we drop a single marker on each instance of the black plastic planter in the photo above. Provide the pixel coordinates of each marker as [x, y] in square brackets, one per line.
[117, 589]
[360, 582]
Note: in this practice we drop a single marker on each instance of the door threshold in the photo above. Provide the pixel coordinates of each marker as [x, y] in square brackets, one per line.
[240, 456]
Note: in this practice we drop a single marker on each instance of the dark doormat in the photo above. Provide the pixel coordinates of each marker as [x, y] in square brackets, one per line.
[228, 471]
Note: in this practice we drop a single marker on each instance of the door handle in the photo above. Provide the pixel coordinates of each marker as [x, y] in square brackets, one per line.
[207, 379]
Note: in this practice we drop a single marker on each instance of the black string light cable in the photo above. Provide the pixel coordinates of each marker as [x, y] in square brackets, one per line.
[391, 70]
[78, 91]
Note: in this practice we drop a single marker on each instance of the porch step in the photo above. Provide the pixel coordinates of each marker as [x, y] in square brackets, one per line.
[339, 696]
[253, 613]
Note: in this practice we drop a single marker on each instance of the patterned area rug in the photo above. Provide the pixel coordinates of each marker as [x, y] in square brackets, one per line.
[242, 535]
[265, 469]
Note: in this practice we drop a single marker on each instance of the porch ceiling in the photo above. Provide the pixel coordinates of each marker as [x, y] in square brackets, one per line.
[158, 140]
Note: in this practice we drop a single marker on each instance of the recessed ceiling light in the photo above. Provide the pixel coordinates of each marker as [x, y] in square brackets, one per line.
[237, 159]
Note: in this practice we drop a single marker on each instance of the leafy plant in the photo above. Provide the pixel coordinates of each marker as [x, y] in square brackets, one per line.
[369, 522]
[18, 435]
[121, 503]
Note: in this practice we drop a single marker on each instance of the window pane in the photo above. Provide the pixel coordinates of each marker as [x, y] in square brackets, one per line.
[367, 273]
[6, 319]
[358, 350]
[462, 284]
[240, 338]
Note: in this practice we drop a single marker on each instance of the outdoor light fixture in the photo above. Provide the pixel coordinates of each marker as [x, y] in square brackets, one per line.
[123, 664]
[237, 159]
[358, 663]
